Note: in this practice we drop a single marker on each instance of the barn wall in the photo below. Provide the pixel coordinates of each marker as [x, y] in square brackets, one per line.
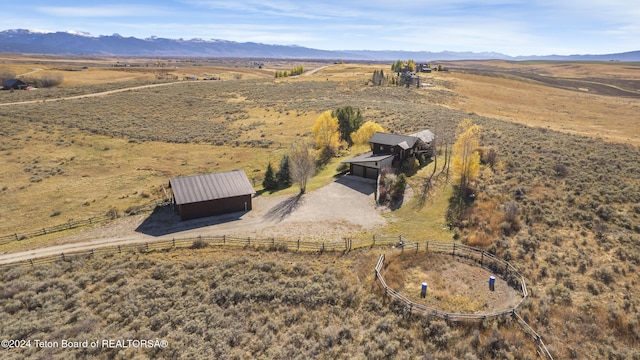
[214, 207]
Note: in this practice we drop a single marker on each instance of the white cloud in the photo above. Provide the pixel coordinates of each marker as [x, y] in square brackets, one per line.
[102, 11]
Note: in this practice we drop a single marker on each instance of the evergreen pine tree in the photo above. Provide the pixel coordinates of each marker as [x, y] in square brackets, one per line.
[282, 176]
[269, 182]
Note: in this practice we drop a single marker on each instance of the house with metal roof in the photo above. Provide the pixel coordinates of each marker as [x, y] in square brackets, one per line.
[402, 146]
[388, 148]
[213, 194]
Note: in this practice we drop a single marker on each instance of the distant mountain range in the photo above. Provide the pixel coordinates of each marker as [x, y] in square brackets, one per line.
[77, 43]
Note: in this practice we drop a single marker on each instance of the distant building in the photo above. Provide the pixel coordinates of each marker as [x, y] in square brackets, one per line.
[424, 68]
[15, 84]
[205, 195]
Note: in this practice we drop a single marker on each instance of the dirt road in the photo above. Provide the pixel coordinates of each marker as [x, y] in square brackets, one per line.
[338, 210]
[91, 95]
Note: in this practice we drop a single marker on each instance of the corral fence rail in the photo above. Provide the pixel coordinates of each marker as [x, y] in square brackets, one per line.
[343, 245]
[486, 260]
[483, 258]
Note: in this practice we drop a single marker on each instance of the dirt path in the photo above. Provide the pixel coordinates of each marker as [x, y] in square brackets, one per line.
[90, 95]
[316, 70]
[340, 209]
[30, 72]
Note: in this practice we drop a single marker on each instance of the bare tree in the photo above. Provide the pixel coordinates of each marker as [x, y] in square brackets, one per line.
[302, 162]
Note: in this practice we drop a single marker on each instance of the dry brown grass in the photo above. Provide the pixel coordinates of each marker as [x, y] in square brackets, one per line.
[534, 104]
[578, 241]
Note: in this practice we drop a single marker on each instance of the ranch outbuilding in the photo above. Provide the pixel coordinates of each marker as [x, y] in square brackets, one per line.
[15, 84]
[212, 194]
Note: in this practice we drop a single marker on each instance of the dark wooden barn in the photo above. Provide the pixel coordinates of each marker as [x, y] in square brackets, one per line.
[14, 84]
[205, 195]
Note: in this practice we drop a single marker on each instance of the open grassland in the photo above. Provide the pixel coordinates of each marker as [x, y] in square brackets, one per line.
[591, 99]
[228, 304]
[562, 206]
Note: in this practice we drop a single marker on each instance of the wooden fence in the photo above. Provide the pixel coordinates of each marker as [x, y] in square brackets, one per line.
[343, 245]
[484, 259]
[497, 266]
[72, 224]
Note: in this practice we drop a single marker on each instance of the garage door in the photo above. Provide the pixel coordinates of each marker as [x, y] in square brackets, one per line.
[370, 173]
[357, 170]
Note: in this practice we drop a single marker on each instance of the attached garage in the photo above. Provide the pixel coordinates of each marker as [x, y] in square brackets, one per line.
[213, 194]
[369, 165]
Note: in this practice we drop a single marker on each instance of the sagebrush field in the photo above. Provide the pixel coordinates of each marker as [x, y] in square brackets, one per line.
[561, 203]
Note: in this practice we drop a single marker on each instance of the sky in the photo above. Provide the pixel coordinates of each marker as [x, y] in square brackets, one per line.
[510, 27]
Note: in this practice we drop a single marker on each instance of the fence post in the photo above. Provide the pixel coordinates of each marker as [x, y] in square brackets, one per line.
[119, 250]
[249, 240]
[147, 246]
[298, 244]
[482, 258]
[273, 241]
[224, 239]
[173, 242]
[454, 250]
[417, 246]
[323, 246]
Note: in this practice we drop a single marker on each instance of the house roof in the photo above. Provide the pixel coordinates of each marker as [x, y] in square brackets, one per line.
[404, 141]
[425, 135]
[198, 188]
[368, 157]
[12, 82]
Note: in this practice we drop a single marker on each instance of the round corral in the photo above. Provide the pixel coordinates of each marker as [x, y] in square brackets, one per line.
[454, 285]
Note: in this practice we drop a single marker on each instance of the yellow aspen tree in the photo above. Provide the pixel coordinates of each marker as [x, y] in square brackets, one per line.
[365, 132]
[411, 65]
[326, 134]
[466, 160]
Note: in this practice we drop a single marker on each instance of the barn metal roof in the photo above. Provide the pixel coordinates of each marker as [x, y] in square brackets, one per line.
[198, 188]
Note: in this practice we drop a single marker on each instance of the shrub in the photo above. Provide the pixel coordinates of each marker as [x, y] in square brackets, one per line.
[399, 186]
[199, 244]
[560, 170]
[112, 213]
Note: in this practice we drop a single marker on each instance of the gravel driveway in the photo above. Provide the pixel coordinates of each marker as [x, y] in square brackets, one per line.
[340, 209]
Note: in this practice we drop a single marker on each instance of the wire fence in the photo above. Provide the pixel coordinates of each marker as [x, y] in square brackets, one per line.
[486, 260]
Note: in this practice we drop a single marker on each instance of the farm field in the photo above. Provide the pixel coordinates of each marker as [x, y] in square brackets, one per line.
[568, 162]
